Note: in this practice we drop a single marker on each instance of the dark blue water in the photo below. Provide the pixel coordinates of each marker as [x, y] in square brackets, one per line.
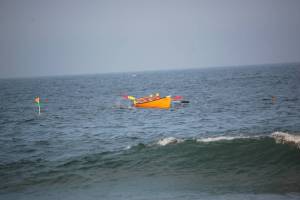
[88, 143]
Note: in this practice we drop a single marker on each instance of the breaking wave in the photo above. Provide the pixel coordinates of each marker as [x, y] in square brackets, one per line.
[268, 163]
[169, 140]
[286, 138]
[279, 137]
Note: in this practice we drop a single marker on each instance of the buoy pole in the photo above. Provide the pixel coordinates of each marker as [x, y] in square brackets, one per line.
[39, 109]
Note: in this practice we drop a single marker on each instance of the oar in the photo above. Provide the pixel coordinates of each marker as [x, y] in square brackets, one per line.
[132, 98]
[179, 99]
[125, 96]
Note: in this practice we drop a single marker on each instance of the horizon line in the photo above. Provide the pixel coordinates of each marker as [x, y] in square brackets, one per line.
[147, 70]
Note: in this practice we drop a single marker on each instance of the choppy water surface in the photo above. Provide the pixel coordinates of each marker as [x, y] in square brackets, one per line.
[232, 141]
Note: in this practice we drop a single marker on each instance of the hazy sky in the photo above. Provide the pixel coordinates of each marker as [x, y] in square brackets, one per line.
[50, 37]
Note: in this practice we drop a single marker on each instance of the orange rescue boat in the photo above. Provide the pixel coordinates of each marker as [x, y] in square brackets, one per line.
[153, 102]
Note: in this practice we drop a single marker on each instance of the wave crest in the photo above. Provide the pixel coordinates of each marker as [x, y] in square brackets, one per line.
[286, 138]
[169, 140]
[279, 137]
[221, 138]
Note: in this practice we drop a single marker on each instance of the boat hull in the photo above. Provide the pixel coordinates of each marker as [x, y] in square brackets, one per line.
[162, 103]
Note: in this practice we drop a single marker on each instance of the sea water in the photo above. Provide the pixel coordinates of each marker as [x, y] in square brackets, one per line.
[237, 138]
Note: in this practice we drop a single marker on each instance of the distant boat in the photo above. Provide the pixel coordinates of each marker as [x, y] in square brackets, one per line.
[153, 102]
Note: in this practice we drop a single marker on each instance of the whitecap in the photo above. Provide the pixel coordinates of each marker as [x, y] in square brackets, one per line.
[128, 147]
[169, 140]
[221, 138]
[286, 138]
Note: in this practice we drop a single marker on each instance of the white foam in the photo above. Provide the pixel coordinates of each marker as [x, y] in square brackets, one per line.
[286, 138]
[280, 137]
[128, 147]
[169, 140]
[221, 138]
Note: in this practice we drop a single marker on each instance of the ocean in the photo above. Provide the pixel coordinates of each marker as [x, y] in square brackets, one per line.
[237, 138]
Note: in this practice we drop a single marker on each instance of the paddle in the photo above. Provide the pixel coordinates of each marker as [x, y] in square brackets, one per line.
[177, 98]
